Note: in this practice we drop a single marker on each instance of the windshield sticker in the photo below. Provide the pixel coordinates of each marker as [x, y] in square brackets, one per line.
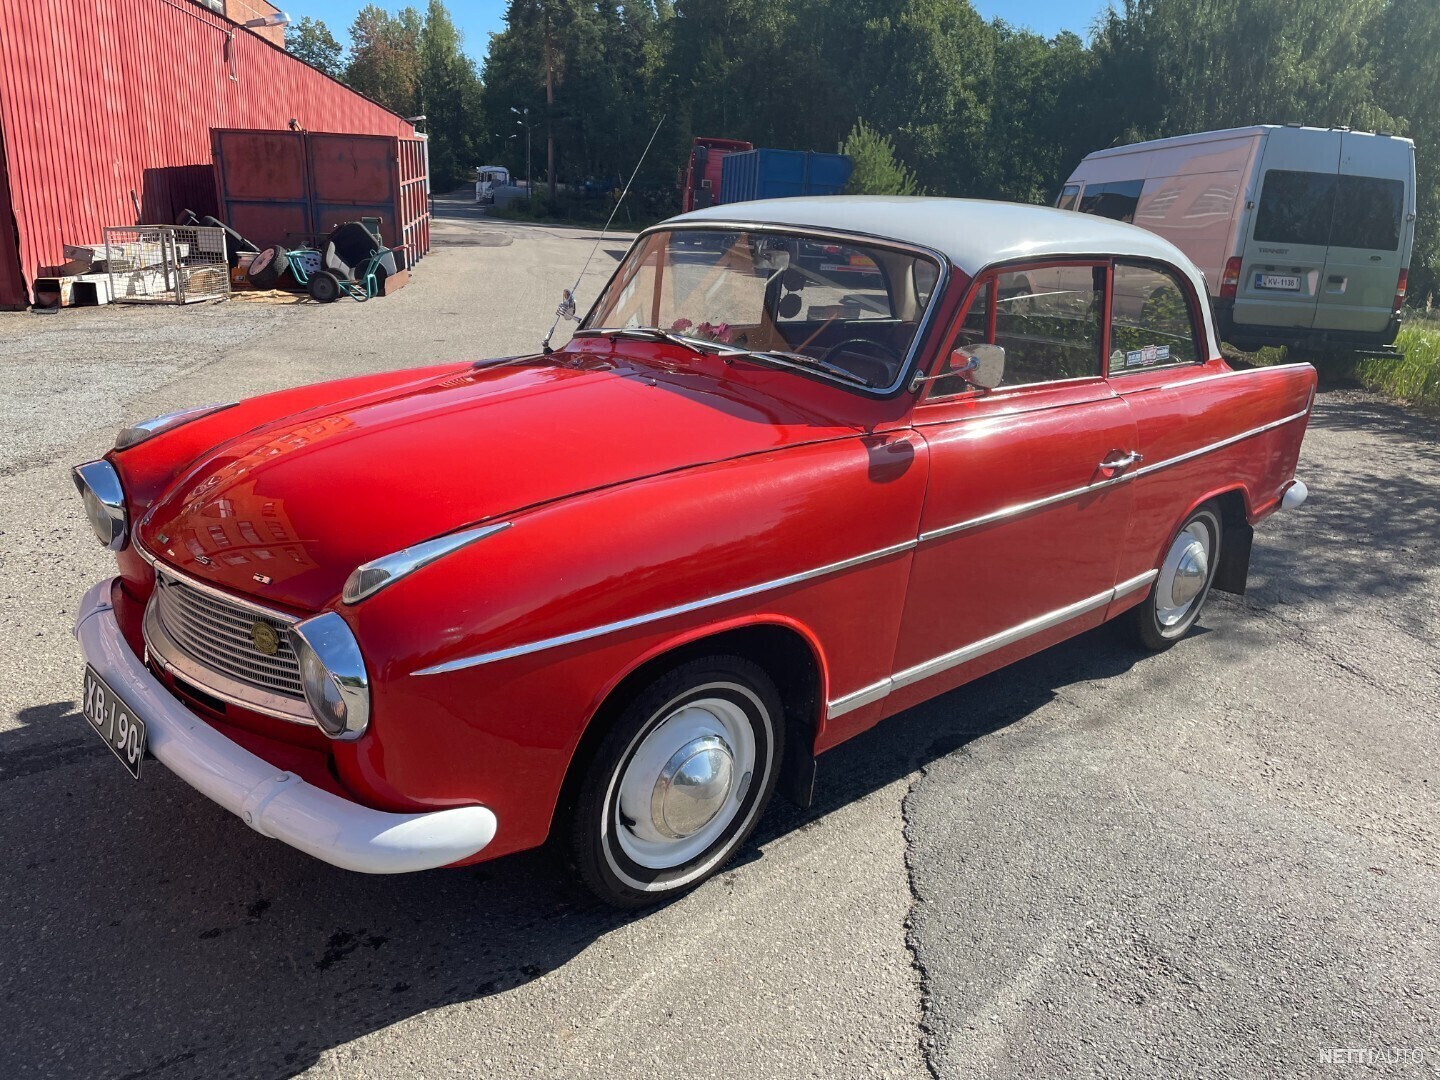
[1149, 355]
[1117, 359]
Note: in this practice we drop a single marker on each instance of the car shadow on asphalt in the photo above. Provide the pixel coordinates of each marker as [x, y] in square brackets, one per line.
[149, 931]
[1377, 498]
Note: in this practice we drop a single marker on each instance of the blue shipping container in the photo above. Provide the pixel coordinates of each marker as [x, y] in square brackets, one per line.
[779, 174]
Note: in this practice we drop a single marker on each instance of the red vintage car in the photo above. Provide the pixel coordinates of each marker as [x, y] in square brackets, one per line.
[620, 593]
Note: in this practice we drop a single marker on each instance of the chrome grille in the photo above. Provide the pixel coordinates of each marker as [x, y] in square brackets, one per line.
[217, 633]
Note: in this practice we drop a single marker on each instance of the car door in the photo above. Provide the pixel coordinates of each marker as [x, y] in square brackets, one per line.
[1027, 509]
[1284, 255]
[1369, 235]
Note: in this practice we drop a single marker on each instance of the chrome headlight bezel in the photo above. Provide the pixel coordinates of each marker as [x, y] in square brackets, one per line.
[104, 497]
[134, 434]
[332, 675]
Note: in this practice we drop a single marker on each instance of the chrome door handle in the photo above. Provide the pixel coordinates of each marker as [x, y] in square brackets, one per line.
[1120, 464]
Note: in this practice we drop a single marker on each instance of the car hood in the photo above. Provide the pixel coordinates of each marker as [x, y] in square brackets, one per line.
[286, 511]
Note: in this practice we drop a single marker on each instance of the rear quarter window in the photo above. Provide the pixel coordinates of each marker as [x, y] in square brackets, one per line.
[1150, 320]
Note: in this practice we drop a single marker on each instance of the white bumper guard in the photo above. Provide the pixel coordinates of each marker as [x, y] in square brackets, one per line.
[271, 801]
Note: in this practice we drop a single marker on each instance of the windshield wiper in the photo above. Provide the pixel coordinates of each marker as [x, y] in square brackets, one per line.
[652, 333]
[815, 362]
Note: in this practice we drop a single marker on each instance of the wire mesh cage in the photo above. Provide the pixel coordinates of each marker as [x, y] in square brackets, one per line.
[166, 264]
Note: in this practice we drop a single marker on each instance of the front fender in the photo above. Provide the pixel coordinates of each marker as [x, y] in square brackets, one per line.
[487, 665]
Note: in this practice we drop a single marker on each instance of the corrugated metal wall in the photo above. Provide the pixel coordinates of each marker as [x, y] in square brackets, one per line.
[99, 98]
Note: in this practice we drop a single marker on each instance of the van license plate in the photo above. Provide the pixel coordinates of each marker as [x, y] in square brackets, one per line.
[1290, 282]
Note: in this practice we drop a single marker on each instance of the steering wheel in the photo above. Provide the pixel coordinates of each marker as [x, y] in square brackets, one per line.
[856, 347]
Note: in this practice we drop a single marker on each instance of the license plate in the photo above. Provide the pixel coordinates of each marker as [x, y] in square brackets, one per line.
[116, 722]
[1290, 282]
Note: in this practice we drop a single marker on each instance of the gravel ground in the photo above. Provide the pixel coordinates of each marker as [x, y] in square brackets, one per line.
[1216, 861]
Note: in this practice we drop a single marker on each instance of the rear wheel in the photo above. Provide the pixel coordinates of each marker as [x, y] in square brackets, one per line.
[1183, 585]
[679, 782]
[323, 287]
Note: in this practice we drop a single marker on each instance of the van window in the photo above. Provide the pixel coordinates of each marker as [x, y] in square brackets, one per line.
[1295, 207]
[1150, 324]
[1069, 196]
[1367, 213]
[1116, 200]
[1325, 209]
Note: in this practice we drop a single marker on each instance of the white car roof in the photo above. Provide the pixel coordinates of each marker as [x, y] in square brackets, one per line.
[971, 233]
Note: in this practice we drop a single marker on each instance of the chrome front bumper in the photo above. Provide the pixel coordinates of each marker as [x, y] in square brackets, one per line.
[274, 803]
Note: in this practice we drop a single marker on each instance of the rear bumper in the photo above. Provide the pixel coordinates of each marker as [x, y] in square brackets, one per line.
[1245, 335]
[274, 803]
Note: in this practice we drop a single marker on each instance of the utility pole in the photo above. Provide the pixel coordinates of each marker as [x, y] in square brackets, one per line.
[549, 111]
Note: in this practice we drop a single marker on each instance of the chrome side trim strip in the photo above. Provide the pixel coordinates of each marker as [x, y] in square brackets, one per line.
[1197, 379]
[862, 697]
[977, 649]
[1154, 467]
[1050, 500]
[1125, 588]
[999, 641]
[1021, 508]
[655, 616]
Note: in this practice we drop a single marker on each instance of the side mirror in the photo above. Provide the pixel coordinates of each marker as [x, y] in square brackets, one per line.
[979, 365]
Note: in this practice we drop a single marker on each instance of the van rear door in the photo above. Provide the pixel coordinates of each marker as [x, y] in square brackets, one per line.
[1371, 233]
[1283, 263]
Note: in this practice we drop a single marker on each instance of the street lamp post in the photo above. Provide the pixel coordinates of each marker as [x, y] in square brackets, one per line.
[525, 123]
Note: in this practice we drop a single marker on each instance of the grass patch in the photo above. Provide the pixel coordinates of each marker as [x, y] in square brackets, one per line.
[1415, 378]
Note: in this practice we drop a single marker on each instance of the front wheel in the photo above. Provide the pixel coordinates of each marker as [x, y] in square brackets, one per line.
[679, 781]
[1186, 572]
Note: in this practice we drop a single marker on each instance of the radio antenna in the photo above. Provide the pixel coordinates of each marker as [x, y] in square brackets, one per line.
[566, 310]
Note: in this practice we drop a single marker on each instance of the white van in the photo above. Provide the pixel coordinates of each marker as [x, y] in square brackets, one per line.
[1303, 234]
[488, 180]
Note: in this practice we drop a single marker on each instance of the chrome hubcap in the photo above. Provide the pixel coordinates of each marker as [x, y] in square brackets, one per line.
[1184, 573]
[685, 783]
[692, 787]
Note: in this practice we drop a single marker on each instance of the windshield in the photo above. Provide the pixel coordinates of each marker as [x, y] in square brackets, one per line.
[847, 311]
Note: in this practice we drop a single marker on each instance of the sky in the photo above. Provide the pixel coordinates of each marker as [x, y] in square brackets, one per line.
[478, 19]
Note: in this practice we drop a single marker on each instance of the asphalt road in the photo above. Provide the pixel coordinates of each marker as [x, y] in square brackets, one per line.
[1219, 861]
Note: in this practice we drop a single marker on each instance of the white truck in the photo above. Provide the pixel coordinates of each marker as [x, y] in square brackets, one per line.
[1304, 234]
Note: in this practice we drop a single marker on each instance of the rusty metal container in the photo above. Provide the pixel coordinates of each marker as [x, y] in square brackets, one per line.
[275, 187]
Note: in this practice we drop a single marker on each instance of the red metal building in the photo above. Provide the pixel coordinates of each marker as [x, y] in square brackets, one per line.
[109, 103]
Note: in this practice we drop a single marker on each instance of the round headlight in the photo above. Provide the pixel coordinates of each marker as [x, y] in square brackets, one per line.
[332, 674]
[104, 498]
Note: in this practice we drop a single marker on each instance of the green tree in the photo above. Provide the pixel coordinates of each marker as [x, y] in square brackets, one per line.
[385, 57]
[311, 41]
[447, 92]
[877, 171]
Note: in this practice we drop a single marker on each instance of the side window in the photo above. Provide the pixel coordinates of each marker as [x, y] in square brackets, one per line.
[1150, 323]
[1116, 199]
[1048, 321]
[1069, 197]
